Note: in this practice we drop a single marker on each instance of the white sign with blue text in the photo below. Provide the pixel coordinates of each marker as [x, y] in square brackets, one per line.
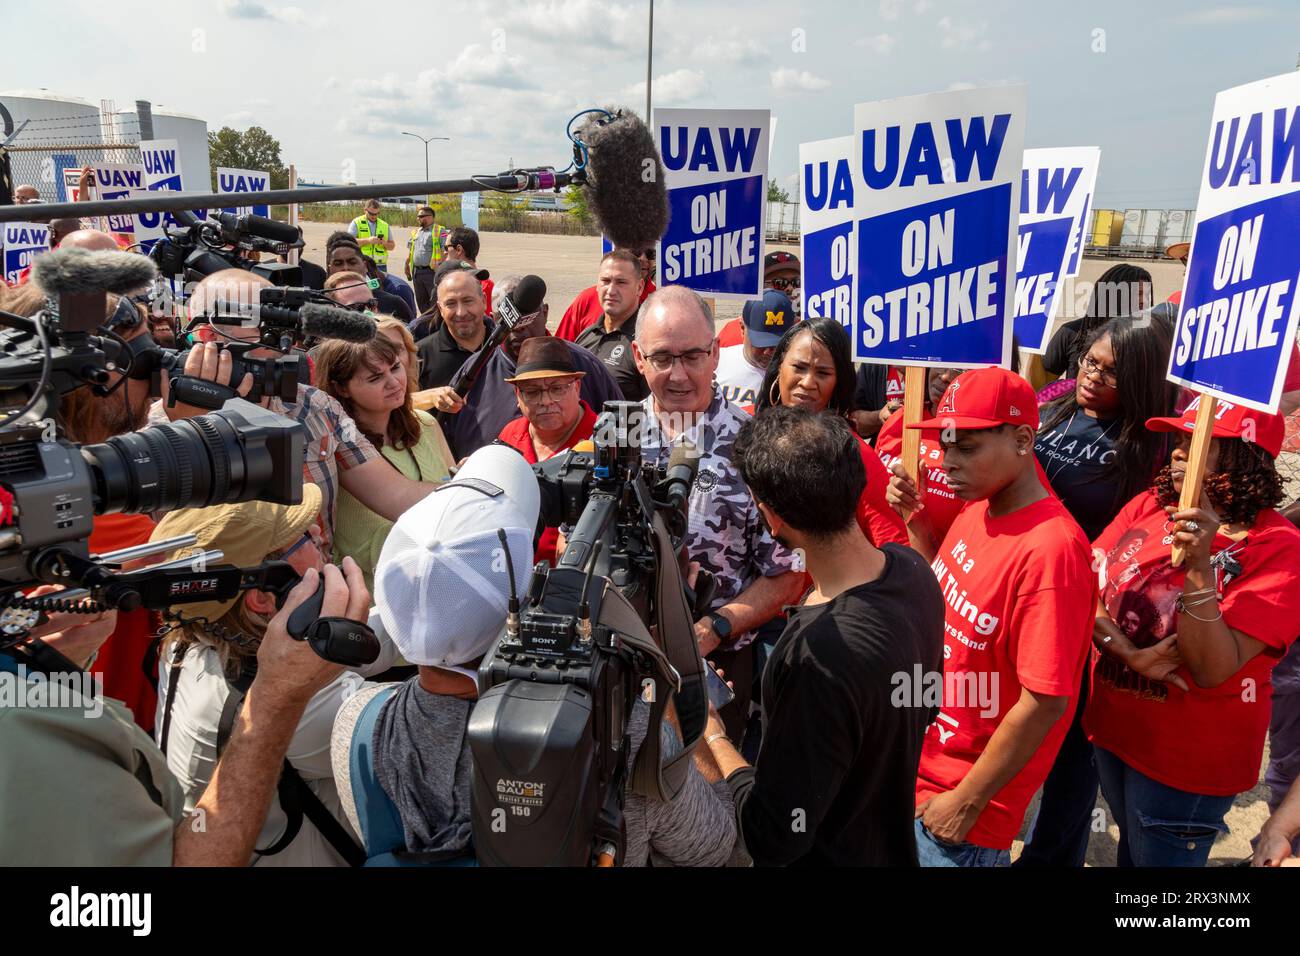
[826, 229]
[1054, 189]
[1240, 304]
[23, 242]
[118, 181]
[469, 207]
[231, 180]
[716, 162]
[162, 171]
[936, 189]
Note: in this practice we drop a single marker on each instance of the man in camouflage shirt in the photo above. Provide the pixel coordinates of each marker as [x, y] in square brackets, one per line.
[676, 351]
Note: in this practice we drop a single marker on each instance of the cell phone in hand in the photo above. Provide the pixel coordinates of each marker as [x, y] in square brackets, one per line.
[720, 695]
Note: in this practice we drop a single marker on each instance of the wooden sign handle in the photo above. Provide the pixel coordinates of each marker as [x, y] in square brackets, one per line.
[914, 386]
[1194, 477]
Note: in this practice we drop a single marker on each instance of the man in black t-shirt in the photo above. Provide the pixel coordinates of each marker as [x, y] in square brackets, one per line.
[845, 690]
[610, 338]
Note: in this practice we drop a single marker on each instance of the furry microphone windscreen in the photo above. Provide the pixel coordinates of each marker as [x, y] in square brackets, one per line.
[626, 186]
[82, 272]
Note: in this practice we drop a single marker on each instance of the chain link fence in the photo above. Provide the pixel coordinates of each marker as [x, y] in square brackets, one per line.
[47, 146]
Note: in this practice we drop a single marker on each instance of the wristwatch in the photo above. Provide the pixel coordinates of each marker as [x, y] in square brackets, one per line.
[721, 626]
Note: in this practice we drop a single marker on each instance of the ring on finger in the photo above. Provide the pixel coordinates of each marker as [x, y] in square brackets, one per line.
[1192, 526]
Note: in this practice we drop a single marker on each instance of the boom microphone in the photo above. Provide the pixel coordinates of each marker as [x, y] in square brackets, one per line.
[330, 322]
[679, 477]
[63, 272]
[625, 186]
[261, 227]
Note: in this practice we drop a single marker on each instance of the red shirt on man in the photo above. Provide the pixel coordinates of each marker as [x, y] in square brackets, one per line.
[1021, 597]
[585, 309]
[515, 434]
[941, 504]
[1205, 739]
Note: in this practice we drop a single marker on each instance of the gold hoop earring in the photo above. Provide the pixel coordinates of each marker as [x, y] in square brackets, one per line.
[773, 400]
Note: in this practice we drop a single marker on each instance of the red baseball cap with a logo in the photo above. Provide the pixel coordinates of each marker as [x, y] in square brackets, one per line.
[1230, 421]
[985, 398]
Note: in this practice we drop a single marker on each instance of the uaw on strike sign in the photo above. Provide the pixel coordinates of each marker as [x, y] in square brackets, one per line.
[826, 229]
[716, 162]
[936, 190]
[1055, 186]
[1240, 307]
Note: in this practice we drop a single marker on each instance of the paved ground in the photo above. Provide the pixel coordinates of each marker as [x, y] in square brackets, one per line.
[568, 264]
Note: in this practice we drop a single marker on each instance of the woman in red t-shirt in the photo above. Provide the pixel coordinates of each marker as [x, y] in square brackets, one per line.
[813, 367]
[1182, 677]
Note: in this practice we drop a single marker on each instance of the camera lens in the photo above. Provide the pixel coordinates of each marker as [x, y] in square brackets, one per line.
[240, 453]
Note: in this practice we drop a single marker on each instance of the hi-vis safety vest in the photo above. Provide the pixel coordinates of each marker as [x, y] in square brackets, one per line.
[377, 251]
[435, 249]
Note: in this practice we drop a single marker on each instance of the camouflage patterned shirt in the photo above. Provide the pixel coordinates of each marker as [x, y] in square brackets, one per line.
[725, 533]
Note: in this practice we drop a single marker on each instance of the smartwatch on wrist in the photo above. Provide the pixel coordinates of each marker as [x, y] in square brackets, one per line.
[721, 626]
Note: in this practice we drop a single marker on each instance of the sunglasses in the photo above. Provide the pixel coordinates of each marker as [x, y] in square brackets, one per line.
[366, 306]
[783, 285]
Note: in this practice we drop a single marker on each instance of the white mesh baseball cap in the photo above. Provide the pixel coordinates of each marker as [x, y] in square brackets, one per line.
[441, 585]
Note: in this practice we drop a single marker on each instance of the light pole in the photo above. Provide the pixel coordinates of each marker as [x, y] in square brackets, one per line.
[426, 142]
[649, 60]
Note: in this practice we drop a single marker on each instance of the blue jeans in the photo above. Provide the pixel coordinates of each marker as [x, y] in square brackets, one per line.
[1062, 826]
[931, 851]
[1158, 825]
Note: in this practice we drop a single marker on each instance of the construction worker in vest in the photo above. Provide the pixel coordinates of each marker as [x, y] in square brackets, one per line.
[372, 235]
[423, 255]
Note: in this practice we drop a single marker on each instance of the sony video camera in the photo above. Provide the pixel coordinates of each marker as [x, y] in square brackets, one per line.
[549, 731]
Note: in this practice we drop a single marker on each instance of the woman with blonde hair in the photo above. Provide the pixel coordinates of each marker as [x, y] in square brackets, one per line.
[371, 382]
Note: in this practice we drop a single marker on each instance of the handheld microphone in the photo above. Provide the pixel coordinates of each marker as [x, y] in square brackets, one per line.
[679, 476]
[80, 279]
[526, 298]
[626, 184]
[331, 322]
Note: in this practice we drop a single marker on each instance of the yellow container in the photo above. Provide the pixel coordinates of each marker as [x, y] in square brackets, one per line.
[1107, 224]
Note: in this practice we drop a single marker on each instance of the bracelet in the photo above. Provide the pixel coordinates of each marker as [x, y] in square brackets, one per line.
[1204, 620]
[708, 741]
[1197, 593]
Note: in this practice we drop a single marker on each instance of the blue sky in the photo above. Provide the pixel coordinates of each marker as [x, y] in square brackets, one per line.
[337, 83]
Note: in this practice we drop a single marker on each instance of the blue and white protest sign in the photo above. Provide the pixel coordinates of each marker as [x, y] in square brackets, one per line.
[826, 229]
[716, 162]
[1240, 305]
[118, 181]
[231, 180]
[936, 190]
[162, 172]
[469, 206]
[1081, 229]
[1054, 188]
[23, 242]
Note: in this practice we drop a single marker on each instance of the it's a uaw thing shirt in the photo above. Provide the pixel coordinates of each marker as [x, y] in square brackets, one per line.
[738, 380]
[725, 533]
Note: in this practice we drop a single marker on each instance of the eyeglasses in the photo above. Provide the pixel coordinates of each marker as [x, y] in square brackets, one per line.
[366, 306]
[783, 285]
[307, 538]
[693, 359]
[532, 394]
[1106, 375]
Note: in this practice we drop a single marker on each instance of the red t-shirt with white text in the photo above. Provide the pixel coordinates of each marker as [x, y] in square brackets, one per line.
[877, 519]
[940, 503]
[1205, 740]
[1020, 598]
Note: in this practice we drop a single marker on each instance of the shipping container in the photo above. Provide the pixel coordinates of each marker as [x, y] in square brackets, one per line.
[1178, 227]
[1107, 225]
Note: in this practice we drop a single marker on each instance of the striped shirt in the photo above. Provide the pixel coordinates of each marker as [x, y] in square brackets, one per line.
[333, 443]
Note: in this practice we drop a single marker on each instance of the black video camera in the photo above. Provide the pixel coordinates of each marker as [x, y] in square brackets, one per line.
[51, 488]
[549, 731]
[201, 247]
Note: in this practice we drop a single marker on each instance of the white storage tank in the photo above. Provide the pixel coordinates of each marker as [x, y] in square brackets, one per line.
[191, 135]
[55, 120]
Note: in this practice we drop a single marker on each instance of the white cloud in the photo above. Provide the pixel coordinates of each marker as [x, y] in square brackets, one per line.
[253, 10]
[963, 36]
[590, 23]
[730, 49]
[680, 86]
[922, 6]
[891, 9]
[881, 43]
[787, 78]
[481, 67]
[1220, 16]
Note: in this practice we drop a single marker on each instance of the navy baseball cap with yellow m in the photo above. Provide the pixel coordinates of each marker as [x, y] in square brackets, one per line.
[768, 318]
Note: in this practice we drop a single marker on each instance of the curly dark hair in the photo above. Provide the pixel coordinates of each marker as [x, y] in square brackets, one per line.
[1246, 483]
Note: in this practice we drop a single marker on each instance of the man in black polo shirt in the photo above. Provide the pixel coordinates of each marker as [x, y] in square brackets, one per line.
[463, 329]
[845, 690]
[618, 284]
